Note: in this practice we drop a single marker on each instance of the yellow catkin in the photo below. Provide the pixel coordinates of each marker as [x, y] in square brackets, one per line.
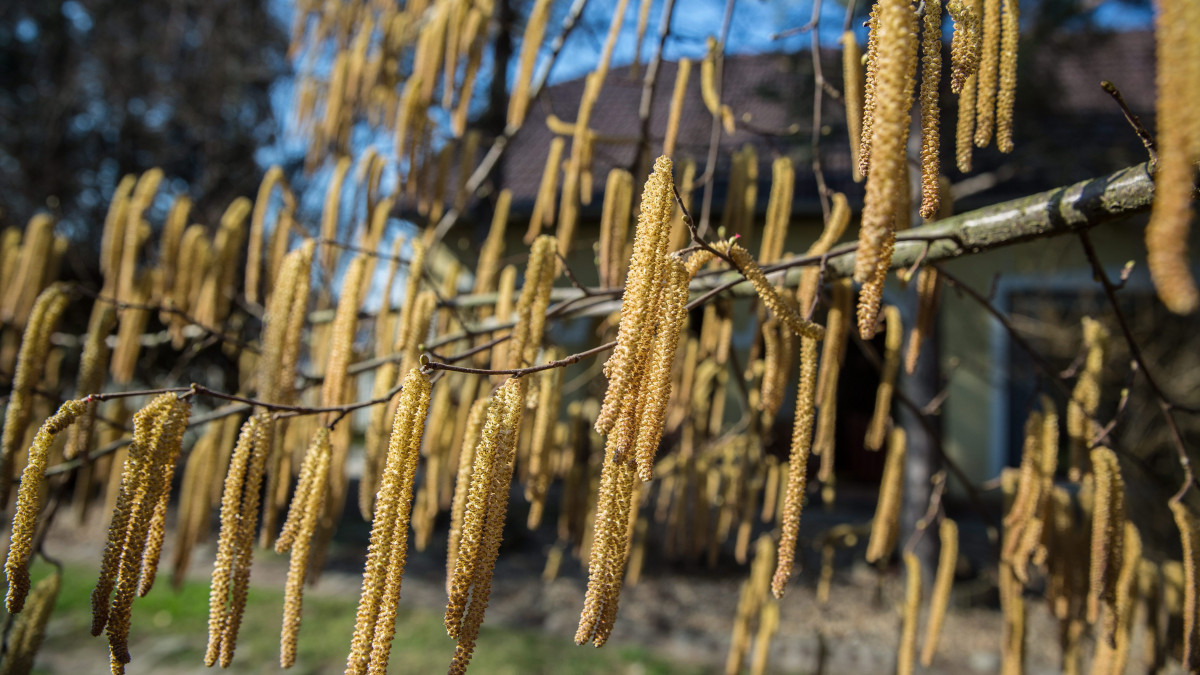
[345, 323]
[802, 430]
[1115, 640]
[532, 304]
[1108, 533]
[942, 584]
[1178, 152]
[642, 285]
[655, 391]
[195, 500]
[889, 132]
[1012, 606]
[254, 247]
[219, 286]
[1189, 533]
[29, 504]
[606, 568]
[868, 110]
[931, 76]
[29, 629]
[280, 336]
[852, 89]
[614, 225]
[1085, 397]
[929, 291]
[493, 245]
[531, 42]
[388, 550]
[887, 510]
[462, 483]
[236, 498]
[965, 130]
[477, 558]
[887, 379]
[1010, 29]
[93, 363]
[157, 436]
[770, 295]
[31, 360]
[549, 395]
[671, 137]
[136, 230]
[912, 606]
[779, 210]
[330, 212]
[989, 67]
[316, 464]
[543, 206]
[838, 321]
[967, 42]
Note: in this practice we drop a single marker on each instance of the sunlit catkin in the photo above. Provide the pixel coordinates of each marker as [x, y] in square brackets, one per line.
[462, 482]
[887, 509]
[388, 550]
[316, 470]
[852, 89]
[989, 67]
[912, 607]
[676, 110]
[93, 363]
[254, 248]
[1178, 152]
[942, 584]
[868, 110]
[29, 504]
[966, 44]
[770, 295]
[1189, 533]
[532, 304]
[244, 464]
[535, 30]
[29, 628]
[31, 359]
[1108, 531]
[480, 556]
[655, 389]
[889, 132]
[548, 398]
[614, 226]
[931, 76]
[638, 305]
[544, 205]
[887, 379]
[797, 480]
[1010, 29]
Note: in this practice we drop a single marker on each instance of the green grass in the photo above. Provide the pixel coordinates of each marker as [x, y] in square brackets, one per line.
[169, 635]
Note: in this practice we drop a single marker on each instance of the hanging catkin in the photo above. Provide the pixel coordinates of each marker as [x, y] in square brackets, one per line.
[989, 67]
[797, 465]
[614, 226]
[912, 606]
[887, 379]
[1178, 151]
[887, 510]
[297, 536]
[462, 483]
[93, 363]
[1085, 397]
[487, 506]
[531, 42]
[1010, 29]
[931, 76]
[235, 551]
[771, 297]
[670, 138]
[1189, 533]
[549, 396]
[942, 583]
[254, 247]
[966, 44]
[388, 550]
[852, 88]
[1108, 531]
[29, 504]
[542, 214]
[889, 130]
[868, 110]
[31, 359]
